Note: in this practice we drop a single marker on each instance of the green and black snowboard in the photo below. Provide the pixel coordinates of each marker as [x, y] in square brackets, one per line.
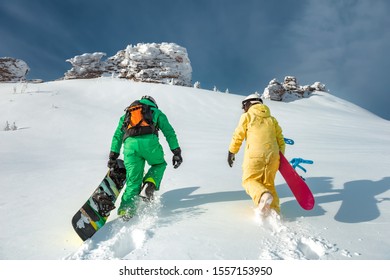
[94, 213]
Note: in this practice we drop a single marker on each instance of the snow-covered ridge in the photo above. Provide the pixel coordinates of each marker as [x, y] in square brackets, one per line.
[57, 155]
[166, 63]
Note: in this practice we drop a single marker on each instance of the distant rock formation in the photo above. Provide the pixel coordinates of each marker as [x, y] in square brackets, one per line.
[12, 69]
[86, 66]
[290, 89]
[166, 63]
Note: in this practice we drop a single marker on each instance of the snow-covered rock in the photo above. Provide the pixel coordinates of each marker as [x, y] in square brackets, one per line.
[318, 86]
[274, 90]
[289, 90]
[290, 83]
[86, 66]
[12, 69]
[166, 63]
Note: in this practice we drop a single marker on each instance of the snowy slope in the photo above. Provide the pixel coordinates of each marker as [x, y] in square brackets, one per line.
[58, 154]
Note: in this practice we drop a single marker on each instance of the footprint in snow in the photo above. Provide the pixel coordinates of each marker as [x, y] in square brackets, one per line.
[283, 240]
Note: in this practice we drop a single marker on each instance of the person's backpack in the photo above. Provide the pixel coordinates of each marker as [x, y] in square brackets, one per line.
[138, 120]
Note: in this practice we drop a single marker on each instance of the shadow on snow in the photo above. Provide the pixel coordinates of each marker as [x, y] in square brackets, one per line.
[358, 199]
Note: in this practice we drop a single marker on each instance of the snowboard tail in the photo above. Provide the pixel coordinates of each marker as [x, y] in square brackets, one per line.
[298, 186]
[94, 213]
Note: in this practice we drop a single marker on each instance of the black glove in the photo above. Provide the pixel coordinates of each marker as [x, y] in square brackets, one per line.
[112, 159]
[231, 158]
[176, 159]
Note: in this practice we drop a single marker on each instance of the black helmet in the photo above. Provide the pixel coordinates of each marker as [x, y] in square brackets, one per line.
[151, 99]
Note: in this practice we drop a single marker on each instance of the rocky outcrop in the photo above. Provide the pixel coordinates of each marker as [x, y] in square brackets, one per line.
[12, 69]
[166, 63]
[86, 66]
[289, 89]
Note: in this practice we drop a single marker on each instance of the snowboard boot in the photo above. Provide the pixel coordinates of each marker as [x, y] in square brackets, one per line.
[147, 191]
[265, 204]
[125, 215]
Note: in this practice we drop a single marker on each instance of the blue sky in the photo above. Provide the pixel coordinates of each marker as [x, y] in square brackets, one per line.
[236, 44]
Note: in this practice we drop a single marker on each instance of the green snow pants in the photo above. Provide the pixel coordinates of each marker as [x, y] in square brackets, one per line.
[137, 151]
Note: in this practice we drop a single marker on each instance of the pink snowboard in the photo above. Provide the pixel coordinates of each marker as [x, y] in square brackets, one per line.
[297, 185]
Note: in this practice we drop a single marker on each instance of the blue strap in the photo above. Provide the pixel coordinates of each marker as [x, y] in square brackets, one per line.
[295, 162]
[288, 141]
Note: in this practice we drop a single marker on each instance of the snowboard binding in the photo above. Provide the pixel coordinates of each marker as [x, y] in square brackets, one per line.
[118, 174]
[104, 203]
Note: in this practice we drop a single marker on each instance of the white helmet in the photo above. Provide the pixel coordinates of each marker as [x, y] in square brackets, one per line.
[253, 99]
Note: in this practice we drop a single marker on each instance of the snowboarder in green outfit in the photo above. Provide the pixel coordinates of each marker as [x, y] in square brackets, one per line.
[138, 132]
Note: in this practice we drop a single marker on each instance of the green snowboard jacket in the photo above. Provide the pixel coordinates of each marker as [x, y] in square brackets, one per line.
[159, 119]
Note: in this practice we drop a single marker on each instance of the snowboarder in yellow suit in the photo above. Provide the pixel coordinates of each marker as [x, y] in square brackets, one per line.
[264, 140]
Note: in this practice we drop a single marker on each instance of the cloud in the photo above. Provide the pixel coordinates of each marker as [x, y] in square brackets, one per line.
[231, 44]
[36, 33]
[345, 43]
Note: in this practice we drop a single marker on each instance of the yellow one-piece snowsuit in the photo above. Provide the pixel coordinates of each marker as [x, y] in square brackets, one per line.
[264, 140]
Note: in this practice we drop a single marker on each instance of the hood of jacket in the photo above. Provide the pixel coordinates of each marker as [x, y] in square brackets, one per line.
[260, 110]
